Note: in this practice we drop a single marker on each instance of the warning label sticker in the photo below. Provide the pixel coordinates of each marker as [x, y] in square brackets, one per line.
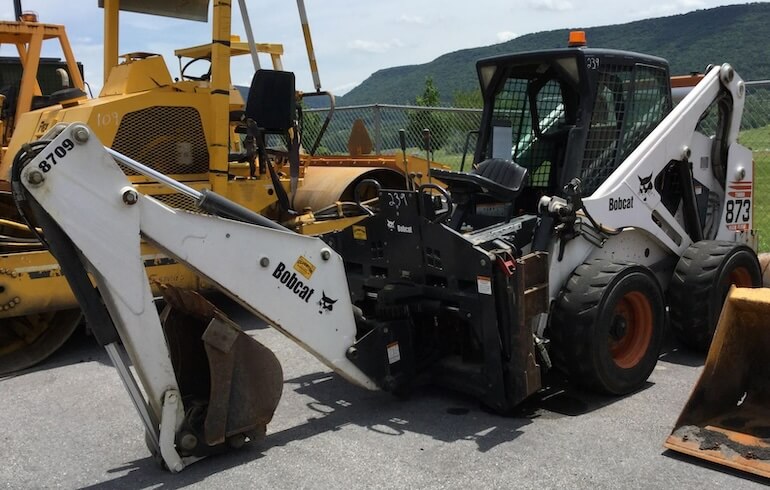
[484, 284]
[359, 232]
[304, 267]
[394, 353]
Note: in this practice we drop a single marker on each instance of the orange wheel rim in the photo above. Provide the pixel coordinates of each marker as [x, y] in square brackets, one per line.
[631, 330]
[741, 277]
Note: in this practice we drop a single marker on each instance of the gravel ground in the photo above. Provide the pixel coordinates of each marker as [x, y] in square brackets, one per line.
[69, 424]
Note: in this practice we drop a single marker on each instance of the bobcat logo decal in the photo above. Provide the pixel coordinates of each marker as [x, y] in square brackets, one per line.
[391, 224]
[645, 186]
[325, 304]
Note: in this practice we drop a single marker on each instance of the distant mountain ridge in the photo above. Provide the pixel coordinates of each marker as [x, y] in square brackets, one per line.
[735, 34]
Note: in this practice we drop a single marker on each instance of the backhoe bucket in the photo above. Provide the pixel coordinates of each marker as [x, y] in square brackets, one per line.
[727, 418]
[230, 383]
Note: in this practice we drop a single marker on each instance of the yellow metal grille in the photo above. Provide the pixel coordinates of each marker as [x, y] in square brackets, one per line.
[167, 139]
[179, 201]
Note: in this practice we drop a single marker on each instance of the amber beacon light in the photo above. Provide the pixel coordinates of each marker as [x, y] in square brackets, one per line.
[577, 39]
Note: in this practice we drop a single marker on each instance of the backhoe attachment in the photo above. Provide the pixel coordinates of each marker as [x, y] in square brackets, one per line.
[198, 382]
[726, 419]
[230, 383]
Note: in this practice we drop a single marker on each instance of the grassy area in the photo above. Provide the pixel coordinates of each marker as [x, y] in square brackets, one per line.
[441, 155]
[762, 198]
[758, 140]
[453, 159]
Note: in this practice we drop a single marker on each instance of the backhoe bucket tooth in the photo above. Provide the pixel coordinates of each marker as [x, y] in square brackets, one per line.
[236, 380]
[727, 418]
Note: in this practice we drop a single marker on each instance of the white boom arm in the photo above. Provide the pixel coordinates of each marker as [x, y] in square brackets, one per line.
[628, 200]
[295, 283]
[621, 201]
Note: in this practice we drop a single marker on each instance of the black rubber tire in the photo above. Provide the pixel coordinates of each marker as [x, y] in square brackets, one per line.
[700, 284]
[585, 315]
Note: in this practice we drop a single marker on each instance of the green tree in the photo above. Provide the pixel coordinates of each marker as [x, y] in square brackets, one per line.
[430, 96]
[418, 120]
[468, 99]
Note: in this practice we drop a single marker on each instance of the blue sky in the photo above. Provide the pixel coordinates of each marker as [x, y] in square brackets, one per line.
[352, 38]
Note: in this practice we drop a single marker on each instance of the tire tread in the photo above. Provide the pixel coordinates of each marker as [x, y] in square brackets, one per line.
[691, 288]
[572, 326]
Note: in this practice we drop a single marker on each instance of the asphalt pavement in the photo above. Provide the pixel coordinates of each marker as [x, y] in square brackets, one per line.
[69, 424]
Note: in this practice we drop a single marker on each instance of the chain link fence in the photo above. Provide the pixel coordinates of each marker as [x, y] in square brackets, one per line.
[449, 130]
[755, 134]
[453, 130]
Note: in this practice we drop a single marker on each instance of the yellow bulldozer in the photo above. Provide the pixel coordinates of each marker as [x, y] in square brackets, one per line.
[22, 337]
[190, 128]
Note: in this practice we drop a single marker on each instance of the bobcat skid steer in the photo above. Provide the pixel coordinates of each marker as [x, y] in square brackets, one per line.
[592, 205]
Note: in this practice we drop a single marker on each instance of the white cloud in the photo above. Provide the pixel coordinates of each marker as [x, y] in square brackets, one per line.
[412, 19]
[374, 46]
[345, 88]
[506, 36]
[678, 6]
[552, 5]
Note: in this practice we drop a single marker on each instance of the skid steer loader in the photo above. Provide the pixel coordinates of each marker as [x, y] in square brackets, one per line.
[591, 206]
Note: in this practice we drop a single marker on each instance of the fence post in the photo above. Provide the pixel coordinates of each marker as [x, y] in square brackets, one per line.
[377, 129]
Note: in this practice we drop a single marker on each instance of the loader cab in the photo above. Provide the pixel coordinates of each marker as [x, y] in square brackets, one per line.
[566, 113]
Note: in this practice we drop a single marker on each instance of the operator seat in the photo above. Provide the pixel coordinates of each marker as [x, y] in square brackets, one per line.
[510, 177]
[271, 102]
[271, 110]
[497, 178]
[493, 181]
[270, 106]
